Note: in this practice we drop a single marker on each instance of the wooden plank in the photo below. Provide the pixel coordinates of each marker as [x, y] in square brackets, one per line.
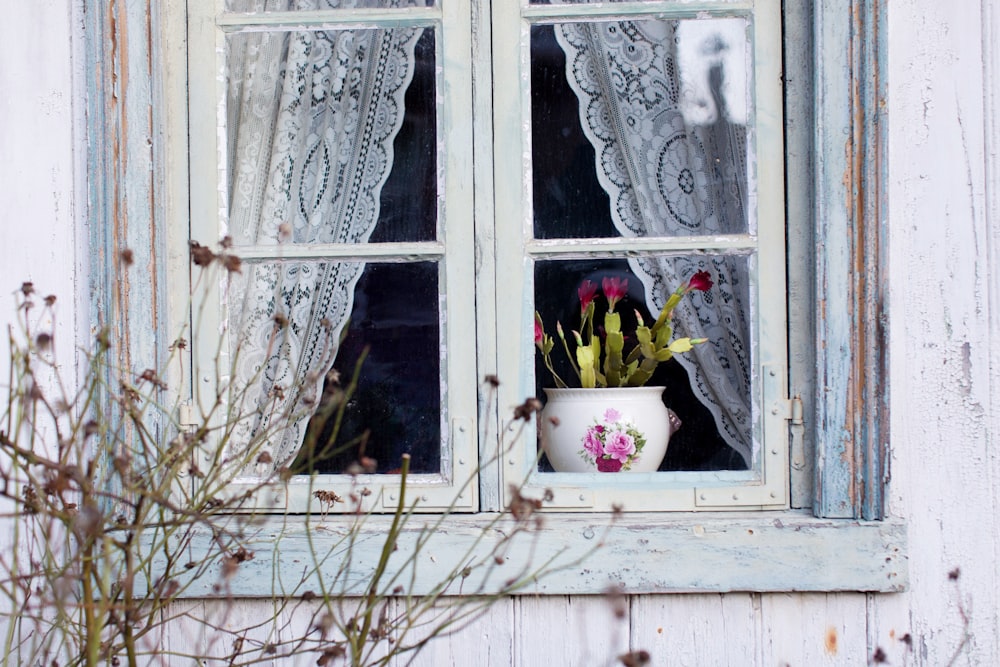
[851, 411]
[332, 19]
[486, 640]
[695, 630]
[799, 167]
[570, 631]
[661, 9]
[813, 629]
[945, 459]
[769, 552]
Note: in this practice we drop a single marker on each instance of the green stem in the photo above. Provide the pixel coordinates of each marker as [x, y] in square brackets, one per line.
[387, 548]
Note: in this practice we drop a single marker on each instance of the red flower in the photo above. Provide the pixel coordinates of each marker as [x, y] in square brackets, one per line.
[608, 465]
[586, 292]
[700, 281]
[615, 289]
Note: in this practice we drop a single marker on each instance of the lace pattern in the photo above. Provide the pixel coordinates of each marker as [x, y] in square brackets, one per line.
[311, 117]
[666, 178]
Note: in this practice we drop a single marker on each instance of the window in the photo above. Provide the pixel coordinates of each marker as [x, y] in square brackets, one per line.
[339, 166]
[347, 143]
[655, 151]
[476, 240]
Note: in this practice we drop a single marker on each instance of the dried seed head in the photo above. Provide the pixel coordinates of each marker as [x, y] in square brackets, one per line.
[528, 408]
[27, 288]
[150, 376]
[232, 263]
[201, 255]
[635, 658]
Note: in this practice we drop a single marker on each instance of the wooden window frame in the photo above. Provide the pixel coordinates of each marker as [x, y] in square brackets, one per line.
[841, 538]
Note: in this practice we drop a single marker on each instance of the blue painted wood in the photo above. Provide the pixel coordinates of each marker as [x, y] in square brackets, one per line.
[124, 183]
[851, 411]
[585, 554]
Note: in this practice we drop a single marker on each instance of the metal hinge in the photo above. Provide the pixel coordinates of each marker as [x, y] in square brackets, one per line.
[185, 415]
[795, 411]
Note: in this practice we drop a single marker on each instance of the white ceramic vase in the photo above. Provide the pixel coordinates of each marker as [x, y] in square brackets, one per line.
[624, 429]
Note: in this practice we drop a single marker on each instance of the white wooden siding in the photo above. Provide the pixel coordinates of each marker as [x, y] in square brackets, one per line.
[944, 60]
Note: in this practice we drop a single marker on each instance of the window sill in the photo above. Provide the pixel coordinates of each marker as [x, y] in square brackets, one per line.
[641, 553]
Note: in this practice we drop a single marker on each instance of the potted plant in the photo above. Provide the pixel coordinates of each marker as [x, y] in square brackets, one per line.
[612, 422]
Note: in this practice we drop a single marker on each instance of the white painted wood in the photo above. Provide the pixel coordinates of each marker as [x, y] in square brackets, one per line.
[944, 290]
[582, 630]
[813, 629]
[39, 230]
[695, 630]
[487, 639]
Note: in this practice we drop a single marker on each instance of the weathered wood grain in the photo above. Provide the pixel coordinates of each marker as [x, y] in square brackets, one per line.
[813, 629]
[696, 630]
[766, 552]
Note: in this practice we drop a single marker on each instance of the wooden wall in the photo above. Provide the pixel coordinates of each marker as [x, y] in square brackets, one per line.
[944, 63]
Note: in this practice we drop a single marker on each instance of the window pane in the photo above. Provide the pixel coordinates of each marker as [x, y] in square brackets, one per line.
[665, 103]
[397, 407]
[709, 387]
[312, 5]
[332, 136]
[388, 333]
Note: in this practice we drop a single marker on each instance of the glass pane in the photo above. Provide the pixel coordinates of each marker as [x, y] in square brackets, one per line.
[708, 388]
[661, 148]
[392, 340]
[332, 136]
[259, 6]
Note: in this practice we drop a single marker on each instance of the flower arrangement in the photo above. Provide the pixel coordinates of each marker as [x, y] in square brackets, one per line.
[608, 364]
[612, 443]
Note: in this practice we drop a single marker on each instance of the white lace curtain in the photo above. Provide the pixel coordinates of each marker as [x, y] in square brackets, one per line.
[311, 121]
[666, 178]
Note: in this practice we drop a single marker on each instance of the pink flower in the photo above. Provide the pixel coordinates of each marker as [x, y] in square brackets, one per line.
[586, 292]
[539, 332]
[700, 281]
[608, 465]
[614, 289]
[620, 445]
[592, 443]
[612, 415]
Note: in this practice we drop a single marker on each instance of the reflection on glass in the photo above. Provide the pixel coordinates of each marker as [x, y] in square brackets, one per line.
[709, 388]
[331, 136]
[396, 409]
[257, 6]
[639, 128]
